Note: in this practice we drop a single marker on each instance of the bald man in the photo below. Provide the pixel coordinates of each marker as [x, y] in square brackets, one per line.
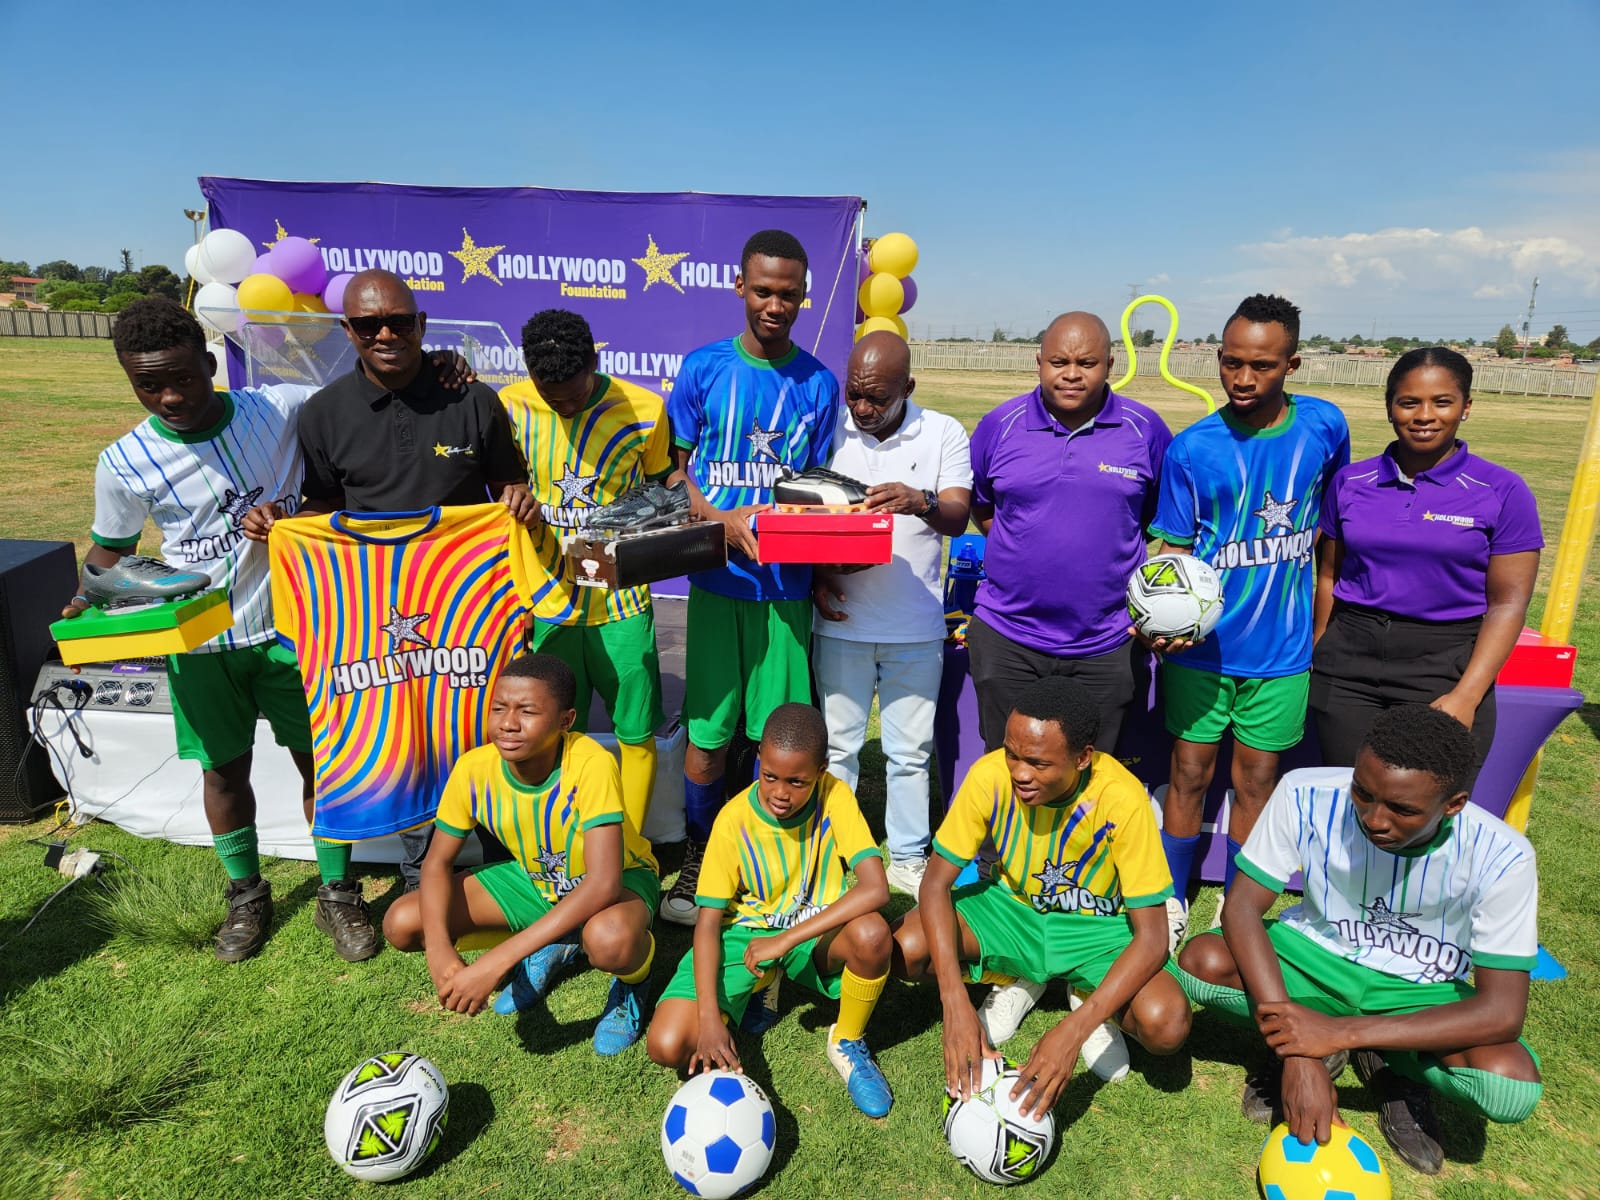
[1064, 483]
[880, 629]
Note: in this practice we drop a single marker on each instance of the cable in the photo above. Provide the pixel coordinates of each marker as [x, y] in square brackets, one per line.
[40, 913]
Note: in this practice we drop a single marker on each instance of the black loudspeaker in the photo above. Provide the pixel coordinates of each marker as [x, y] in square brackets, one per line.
[36, 579]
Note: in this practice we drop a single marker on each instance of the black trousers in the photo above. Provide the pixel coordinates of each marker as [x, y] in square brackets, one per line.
[1369, 660]
[414, 844]
[1001, 668]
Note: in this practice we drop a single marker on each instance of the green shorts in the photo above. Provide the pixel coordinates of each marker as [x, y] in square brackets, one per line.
[1266, 714]
[217, 697]
[522, 903]
[736, 984]
[618, 660]
[1014, 939]
[749, 654]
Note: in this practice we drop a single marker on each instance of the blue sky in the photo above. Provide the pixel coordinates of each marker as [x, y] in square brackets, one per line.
[1406, 164]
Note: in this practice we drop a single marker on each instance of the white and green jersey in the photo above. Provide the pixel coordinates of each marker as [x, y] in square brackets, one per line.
[1469, 896]
[197, 487]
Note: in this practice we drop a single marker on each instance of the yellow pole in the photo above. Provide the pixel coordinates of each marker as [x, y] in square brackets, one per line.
[1566, 577]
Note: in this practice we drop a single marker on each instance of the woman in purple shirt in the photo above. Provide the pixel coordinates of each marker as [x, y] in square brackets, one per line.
[1427, 564]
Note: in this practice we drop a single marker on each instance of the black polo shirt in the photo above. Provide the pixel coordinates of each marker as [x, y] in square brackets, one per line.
[373, 450]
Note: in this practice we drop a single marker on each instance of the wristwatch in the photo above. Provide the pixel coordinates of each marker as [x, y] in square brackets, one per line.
[930, 503]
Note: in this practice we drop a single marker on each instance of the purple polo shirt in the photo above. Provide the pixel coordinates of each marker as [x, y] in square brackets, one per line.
[1421, 549]
[1069, 515]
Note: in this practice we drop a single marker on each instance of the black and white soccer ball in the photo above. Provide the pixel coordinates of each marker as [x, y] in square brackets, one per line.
[1175, 596]
[989, 1133]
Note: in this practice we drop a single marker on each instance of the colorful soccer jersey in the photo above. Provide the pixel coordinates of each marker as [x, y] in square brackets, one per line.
[1247, 502]
[1095, 852]
[1469, 897]
[577, 464]
[745, 418]
[543, 826]
[197, 487]
[400, 622]
[774, 874]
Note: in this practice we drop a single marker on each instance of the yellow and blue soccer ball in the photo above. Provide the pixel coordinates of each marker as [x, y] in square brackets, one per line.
[1347, 1168]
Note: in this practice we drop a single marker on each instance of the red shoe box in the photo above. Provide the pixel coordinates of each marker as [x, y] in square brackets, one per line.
[1536, 663]
[825, 537]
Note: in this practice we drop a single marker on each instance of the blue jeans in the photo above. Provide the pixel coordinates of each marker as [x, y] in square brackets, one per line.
[905, 676]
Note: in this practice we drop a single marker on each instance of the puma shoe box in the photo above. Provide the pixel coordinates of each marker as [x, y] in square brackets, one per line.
[825, 537]
[631, 559]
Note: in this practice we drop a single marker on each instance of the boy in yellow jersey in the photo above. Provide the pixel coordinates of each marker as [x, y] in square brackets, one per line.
[1080, 895]
[580, 868]
[773, 895]
[588, 439]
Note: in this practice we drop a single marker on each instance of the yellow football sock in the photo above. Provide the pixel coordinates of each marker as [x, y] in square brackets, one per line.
[996, 978]
[643, 971]
[857, 998]
[638, 779]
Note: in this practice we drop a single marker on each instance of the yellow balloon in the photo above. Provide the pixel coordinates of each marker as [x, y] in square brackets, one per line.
[881, 295]
[308, 331]
[261, 294]
[877, 324]
[893, 254]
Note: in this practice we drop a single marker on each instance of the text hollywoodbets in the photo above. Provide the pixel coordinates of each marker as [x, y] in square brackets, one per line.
[462, 666]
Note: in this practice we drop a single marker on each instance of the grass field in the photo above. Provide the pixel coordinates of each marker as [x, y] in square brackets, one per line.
[133, 1065]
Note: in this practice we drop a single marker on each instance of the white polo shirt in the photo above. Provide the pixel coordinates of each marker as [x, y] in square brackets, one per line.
[900, 601]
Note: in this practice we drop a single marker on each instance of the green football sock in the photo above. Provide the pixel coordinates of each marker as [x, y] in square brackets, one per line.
[239, 853]
[333, 859]
[1229, 1002]
[1496, 1097]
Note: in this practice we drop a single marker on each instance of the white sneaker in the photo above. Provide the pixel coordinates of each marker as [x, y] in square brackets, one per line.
[905, 874]
[1177, 922]
[1004, 1008]
[1104, 1051]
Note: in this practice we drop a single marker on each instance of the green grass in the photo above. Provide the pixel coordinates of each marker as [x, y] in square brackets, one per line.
[118, 1006]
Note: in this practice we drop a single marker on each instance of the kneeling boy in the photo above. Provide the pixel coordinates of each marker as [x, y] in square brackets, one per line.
[1408, 888]
[580, 869]
[1080, 895]
[773, 894]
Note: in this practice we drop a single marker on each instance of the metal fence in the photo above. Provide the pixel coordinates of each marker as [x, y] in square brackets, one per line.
[1329, 369]
[17, 322]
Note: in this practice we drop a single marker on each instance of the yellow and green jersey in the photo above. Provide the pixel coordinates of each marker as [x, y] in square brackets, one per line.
[774, 873]
[618, 441]
[1096, 852]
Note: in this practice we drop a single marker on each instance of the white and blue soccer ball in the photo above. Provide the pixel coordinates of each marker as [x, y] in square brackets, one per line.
[718, 1134]
[1175, 595]
[386, 1116]
[991, 1136]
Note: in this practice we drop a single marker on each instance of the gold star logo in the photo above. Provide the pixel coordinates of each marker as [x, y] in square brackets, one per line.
[474, 259]
[658, 266]
[283, 233]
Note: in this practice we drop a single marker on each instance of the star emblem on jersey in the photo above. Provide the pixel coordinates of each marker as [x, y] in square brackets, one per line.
[236, 505]
[474, 259]
[404, 629]
[1054, 876]
[440, 450]
[553, 861]
[658, 266]
[761, 442]
[1381, 916]
[1276, 513]
[576, 487]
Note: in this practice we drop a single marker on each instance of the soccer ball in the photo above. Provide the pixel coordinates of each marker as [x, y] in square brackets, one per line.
[718, 1134]
[991, 1137]
[1347, 1168]
[1175, 595]
[386, 1116]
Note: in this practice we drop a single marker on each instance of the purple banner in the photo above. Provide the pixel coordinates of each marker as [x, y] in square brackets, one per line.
[652, 273]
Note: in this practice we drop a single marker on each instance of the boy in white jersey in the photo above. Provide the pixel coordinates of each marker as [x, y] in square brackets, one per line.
[1407, 890]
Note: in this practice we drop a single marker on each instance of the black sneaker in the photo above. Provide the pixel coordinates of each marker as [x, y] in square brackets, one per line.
[1262, 1099]
[648, 506]
[244, 930]
[678, 904]
[137, 578]
[1405, 1113]
[342, 915]
[819, 486]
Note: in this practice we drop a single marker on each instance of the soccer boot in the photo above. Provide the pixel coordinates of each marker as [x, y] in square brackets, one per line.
[818, 486]
[621, 1021]
[1262, 1099]
[863, 1078]
[761, 1013]
[1004, 1007]
[648, 506]
[678, 904]
[532, 978]
[1105, 1051]
[905, 875]
[1177, 922]
[1405, 1113]
[244, 930]
[136, 579]
[342, 915]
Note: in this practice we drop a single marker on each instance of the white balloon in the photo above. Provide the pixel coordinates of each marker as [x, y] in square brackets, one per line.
[217, 306]
[226, 256]
[192, 267]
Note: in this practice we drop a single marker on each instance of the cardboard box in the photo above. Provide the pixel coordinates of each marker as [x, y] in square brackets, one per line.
[168, 627]
[825, 537]
[636, 558]
[1536, 663]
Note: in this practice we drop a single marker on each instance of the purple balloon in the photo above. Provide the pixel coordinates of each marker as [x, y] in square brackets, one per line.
[263, 265]
[910, 286]
[860, 316]
[333, 293]
[299, 264]
[863, 270]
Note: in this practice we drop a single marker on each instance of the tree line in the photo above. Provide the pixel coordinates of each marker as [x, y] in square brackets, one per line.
[67, 287]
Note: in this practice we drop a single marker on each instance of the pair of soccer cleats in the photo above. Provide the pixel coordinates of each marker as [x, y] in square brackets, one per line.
[863, 1078]
[137, 580]
[622, 1020]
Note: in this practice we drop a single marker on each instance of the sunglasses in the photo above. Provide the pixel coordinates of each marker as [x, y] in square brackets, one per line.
[368, 328]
